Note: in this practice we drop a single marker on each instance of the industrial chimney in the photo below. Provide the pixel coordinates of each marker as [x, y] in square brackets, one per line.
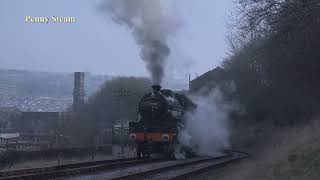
[78, 90]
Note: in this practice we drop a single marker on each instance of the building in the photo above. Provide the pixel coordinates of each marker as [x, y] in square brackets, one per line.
[37, 122]
[26, 142]
[208, 80]
[28, 131]
[104, 134]
[120, 133]
[8, 115]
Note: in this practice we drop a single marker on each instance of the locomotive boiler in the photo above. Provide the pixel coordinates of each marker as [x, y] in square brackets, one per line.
[161, 114]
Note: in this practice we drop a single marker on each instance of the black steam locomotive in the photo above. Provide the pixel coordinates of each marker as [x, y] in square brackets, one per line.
[161, 114]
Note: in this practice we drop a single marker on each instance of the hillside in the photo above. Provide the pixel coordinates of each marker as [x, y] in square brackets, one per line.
[279, 153]
[275, 66]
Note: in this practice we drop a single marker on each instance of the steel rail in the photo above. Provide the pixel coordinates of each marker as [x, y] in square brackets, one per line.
[237, 156]
[229, 157]
[70, 169]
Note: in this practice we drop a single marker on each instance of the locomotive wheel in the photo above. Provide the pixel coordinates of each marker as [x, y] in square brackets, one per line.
[173, 148]
[169, 151]
[139, 152]
[171, 155]
[145, 155]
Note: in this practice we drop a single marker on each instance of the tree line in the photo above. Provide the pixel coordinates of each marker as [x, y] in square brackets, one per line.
[116, 100]
[274, 58]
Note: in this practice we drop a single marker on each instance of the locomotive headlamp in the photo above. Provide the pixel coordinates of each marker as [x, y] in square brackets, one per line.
[165, 137]
[133, 137]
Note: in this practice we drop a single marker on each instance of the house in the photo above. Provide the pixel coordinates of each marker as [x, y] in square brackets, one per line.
[208, 80]
[8, 115]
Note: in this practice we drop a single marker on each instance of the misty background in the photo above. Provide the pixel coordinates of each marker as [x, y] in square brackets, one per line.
[95, 44]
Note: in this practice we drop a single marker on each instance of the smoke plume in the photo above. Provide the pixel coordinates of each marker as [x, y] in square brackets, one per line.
[206, 129]
[151, 25]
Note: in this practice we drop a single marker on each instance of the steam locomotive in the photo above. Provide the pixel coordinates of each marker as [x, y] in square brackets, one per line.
[161, 114]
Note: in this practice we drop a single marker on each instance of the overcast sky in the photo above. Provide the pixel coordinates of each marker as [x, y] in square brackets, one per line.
[95, 44]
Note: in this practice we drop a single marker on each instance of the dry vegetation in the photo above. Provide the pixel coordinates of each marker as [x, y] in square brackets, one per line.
[274, 59]
[276, 153]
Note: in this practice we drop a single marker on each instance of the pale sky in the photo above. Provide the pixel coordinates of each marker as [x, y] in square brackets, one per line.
[96, 44]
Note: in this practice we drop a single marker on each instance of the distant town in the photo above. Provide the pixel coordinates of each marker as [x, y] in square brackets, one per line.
[42, 91]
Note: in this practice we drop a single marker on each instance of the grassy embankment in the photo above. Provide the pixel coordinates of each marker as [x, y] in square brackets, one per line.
[279, 153]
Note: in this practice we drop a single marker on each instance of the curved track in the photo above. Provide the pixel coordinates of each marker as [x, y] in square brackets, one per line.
[184, 168]
[198, 168]
[127, 168]
[69, 169]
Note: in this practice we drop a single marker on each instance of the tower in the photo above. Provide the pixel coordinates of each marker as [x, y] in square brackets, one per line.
[78, 90]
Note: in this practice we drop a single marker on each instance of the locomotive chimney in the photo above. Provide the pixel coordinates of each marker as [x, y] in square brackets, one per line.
[156, 88]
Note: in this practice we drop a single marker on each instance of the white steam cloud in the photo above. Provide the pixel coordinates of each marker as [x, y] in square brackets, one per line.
[206, 129]
[151, 25]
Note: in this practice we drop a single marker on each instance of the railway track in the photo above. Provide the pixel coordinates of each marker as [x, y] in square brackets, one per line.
[70, 169]
[127, 168]
[183, 169]
[197, 168]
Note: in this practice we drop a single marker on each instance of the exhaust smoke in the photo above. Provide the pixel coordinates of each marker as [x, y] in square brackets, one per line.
[151, 25]
[206, 129]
